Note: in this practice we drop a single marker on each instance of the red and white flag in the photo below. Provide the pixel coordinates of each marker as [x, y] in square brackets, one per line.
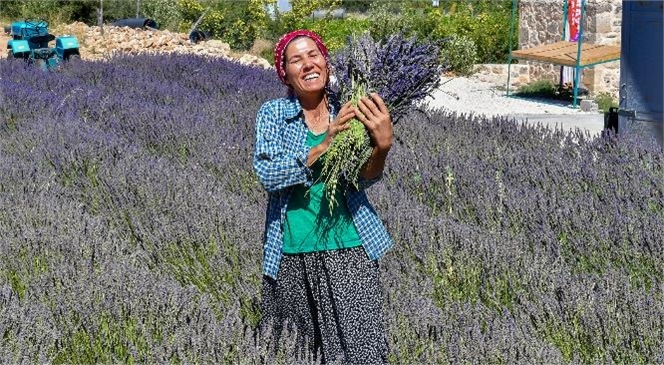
[573, 19]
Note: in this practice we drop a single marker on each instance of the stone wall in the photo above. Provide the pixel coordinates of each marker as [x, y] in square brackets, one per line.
[541, 22]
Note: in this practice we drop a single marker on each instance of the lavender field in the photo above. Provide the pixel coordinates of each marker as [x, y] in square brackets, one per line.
[131, 223]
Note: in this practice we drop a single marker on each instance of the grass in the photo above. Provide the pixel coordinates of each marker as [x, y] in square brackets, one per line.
[547, 89]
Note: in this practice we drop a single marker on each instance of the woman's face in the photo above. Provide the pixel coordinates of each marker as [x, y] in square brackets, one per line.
[306, 67]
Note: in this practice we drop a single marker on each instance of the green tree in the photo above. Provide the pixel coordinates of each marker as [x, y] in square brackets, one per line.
[360, 6]
[53, 11]
[164, 12]
[246, 21]
[300, 15]
[238, 23]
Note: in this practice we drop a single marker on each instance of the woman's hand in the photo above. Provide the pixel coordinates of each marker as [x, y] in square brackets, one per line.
[339, 124]
[376, 118]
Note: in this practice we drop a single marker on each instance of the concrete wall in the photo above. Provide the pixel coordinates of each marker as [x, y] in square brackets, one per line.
[541, 22]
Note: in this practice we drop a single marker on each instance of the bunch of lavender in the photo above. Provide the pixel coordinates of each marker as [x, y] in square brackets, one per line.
[401, 70]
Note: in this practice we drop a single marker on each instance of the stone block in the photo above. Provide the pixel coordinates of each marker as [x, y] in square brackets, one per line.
[588, 105]
[603, 24]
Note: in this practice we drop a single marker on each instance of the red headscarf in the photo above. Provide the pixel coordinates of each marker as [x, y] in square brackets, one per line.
[280, 49]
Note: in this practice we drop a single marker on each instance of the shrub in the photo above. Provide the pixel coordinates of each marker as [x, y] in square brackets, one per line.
[491, 35]
[248, 21]
[460, 54]
[605, 101]
[50, 10]
[164, 12]
[239, 23]
[540, 88]
[549, 89]
[335, 32]
[386, 20]
[191, 11]
[267, 54]
[485, 23]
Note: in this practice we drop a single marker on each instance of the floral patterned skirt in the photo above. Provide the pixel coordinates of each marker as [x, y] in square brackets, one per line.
[325, 307]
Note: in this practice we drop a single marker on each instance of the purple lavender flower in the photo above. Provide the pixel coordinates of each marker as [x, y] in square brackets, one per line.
[401, 70]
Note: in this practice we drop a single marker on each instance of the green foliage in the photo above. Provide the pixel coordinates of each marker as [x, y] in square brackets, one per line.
[460, 53]
[302, 9]
[488, 29]
[491, 36]
[62, 11]
[52, 11]
[267, 54]
[539, 88]
[335, 32]
[241, 23]
[113, 338]
[247, 20]
[605, 101]
[356, 5]
[164, 12]
[485, 23]
[192, 10]
[238, 23]
[298, 17]
[549, 90]
[385, 20]
[117, 9]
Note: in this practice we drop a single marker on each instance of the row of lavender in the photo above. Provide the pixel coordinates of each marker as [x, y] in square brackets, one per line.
[131, 227]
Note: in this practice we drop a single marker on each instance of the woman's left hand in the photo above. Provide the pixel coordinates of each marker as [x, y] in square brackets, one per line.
[376, 118]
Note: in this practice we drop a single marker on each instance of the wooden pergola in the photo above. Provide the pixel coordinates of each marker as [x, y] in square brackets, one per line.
[563, 53]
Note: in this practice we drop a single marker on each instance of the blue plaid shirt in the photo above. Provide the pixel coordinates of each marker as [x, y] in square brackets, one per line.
[280, 161]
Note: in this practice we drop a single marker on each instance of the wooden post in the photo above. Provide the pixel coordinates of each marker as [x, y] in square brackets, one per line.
[100, 16]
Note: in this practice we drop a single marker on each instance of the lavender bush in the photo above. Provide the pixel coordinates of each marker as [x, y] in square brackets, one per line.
[132, 221]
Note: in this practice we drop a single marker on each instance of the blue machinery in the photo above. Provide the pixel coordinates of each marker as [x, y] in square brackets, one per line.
[30, 41]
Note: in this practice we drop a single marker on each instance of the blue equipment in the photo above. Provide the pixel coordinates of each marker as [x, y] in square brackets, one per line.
[30, 41]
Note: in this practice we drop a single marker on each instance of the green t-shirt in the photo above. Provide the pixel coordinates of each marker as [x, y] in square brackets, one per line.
[309, 226]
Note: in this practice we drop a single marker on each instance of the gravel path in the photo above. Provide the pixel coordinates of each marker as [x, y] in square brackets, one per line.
[470, 95]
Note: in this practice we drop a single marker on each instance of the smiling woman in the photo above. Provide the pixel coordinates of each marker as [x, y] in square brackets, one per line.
[320, 265]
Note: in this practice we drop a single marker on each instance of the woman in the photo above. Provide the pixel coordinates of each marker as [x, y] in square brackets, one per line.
[320, 268]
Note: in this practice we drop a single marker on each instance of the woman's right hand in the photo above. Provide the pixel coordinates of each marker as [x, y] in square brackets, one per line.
[340, 123]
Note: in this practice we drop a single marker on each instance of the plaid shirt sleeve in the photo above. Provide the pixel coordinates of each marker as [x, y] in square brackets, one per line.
[277, 168]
